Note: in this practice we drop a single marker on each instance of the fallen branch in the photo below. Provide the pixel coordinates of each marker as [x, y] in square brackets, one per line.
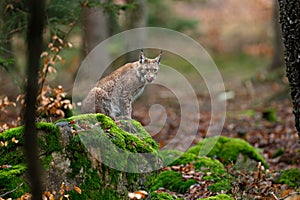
[9, 192]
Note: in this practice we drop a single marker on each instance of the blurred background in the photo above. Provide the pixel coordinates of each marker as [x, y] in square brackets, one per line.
[242, 37]
[238, 35]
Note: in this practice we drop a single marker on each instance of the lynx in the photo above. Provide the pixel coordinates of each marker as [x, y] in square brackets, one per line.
[113, 95]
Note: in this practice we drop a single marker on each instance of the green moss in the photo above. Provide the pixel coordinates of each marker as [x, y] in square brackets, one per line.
[269, 114]
[206, 164]
[144, 135]
[142, 142]
[227, 149]
[213, 169]
[291, 177]
[94, 188]
[162, 196]
[277, 153]
[10, 179]
[175, 157]
[96, 183]
[219, 197]
[12, 154]
[173, 181]
[50, 140]
[215, 142]
[99, 138]
[78, 156]
[215, 172]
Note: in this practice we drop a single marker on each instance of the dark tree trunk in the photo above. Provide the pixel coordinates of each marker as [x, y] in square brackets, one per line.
[290, 26]
[34, 45]
[277, 58]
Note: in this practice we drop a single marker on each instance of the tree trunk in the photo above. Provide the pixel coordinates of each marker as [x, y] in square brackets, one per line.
[95, 27]
[136, 18]
[290, 26]
[34, 49]
[278, 58]
[98, 24]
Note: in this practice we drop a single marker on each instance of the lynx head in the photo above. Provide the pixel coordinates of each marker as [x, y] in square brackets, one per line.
[148, 68]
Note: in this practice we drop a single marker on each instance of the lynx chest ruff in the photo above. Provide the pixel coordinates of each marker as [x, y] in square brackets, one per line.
[114, 94]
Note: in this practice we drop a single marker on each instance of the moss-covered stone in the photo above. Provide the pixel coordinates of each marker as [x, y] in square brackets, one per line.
[12, 155]
[214, 169]
[11, 178]
[174, 157]
[173, 181]
[70, 153]
[219, 197]
[291, 177]
[215, 172]
[227, 149]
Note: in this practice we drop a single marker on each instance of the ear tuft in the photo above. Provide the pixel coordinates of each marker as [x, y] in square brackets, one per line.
[142, 57]
[158, 57]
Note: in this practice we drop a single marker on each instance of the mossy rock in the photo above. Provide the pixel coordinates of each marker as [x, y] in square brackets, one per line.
[214, 168]
[11, 179]
[215, 172]
[227, 150]
[175, 157]
[291, 177]
[173, 181]
[70, 153]
[219, 197]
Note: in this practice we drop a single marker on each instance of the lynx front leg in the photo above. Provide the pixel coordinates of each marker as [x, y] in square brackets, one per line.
[125, 107]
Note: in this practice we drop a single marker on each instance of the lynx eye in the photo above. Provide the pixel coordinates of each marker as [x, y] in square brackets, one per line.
[147, 69]
[155, 70]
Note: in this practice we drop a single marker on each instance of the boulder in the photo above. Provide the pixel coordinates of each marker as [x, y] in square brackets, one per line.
[85, 157]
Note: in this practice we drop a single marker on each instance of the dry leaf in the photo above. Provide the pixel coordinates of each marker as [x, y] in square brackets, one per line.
[45, 53]
[14, 140]
[77, 189]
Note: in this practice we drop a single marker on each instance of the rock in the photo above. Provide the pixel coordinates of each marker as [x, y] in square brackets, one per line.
[229, 150]
[86, 156]
[175, 157]
[190, 168]
[172, 180]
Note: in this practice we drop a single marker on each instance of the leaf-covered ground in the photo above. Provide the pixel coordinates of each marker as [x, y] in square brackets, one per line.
[260, 112]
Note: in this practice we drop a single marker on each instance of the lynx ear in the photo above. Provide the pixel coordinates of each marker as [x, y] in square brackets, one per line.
[142, 57]
[158, 57]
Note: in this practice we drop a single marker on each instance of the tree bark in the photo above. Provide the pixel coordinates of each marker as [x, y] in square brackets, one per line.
[277, 58]
[136, 18]
[290, 26]
[95, 27]
[34, 47]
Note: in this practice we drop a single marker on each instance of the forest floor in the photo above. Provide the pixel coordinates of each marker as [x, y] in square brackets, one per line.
[250, 101]
[259, 111]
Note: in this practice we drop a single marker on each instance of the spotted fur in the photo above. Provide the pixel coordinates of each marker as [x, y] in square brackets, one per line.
[113, 95]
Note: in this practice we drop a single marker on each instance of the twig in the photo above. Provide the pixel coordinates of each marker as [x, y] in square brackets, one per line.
[52, 59]
[9, 192]
[275, 197]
